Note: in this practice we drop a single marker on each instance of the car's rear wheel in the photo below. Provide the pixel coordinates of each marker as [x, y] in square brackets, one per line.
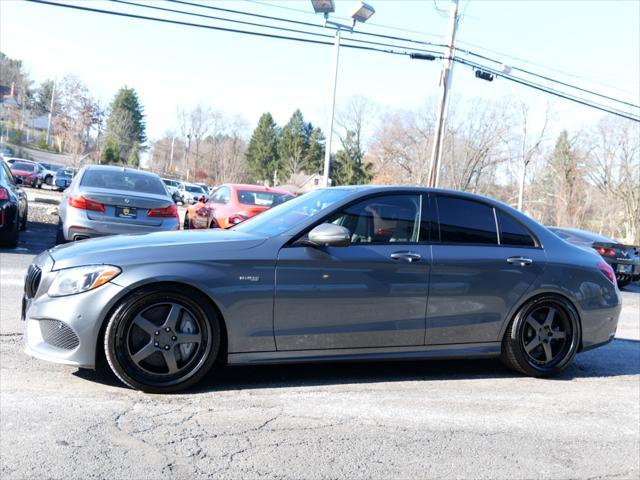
[187, 222]
[23, 220]
[9, 238]
[162, 340]
[543, 337]
[60, 233]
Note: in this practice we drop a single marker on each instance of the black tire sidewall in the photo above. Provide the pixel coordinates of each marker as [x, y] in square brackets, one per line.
[139, 300]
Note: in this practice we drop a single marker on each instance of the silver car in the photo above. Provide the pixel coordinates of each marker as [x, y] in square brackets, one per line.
[347, 273]
[107, 200]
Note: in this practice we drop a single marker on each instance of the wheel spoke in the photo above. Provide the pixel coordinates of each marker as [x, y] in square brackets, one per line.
[550, 316]
[145, 324]
[188, 338]
[548, 355]
[170, 360]
[534, 323]
[143, 353]
[172, 317]
[532, 345]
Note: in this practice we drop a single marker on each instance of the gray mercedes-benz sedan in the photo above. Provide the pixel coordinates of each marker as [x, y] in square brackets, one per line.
[109, 200]
[346, 273]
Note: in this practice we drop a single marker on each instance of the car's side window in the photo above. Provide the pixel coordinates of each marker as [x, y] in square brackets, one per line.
[221, 195]
[383, 219]
[8, 174]
[513, 232]
[465, 221]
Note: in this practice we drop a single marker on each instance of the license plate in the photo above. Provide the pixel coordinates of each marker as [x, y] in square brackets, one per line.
[624, 268]
[126, 212]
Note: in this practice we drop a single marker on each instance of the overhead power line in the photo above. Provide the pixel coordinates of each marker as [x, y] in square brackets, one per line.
[272, 27]
[210, 27]
[564, 95]
[392, 49]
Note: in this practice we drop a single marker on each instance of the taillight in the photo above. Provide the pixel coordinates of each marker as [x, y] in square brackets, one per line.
[85, 204]
[237, 218]
[604, 251]
[608, 272]
[4, 194]
[166, 212]
[203, 211]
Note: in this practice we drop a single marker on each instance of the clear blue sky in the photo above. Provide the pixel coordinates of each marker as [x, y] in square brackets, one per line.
[172, 65]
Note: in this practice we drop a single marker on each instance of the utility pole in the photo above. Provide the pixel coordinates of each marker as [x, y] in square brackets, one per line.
[53, 94]
[445, 85]
[332, 106]
[173, 139]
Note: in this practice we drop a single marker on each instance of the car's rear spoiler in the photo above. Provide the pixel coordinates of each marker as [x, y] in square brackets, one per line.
[615, 245]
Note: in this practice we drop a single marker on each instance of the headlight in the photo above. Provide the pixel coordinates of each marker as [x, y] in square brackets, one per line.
[81, 279]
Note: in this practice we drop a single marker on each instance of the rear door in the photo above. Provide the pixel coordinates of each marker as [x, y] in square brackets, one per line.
[372, 293]
[484, 260]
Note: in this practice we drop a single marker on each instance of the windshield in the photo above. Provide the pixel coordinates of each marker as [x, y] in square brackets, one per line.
[171, 183]
[262, 199]
[117, 179]
[51, 166]
[25, 167]
[287, 215]
[194, 189]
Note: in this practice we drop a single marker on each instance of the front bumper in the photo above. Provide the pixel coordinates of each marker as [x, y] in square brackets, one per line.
[82, 314]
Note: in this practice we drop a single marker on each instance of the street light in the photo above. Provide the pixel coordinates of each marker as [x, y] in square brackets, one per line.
[360, 13]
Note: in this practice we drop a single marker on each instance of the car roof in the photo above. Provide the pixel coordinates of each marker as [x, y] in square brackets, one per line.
[111, 168]
[255, 188]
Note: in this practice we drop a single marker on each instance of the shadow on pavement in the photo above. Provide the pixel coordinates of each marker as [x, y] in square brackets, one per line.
[619, 358]
[38, 237]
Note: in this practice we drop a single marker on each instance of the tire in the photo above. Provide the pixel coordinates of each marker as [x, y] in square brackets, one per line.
[623, 283]
[132, 328]
[186, 224]
[23, 220]
[537, 346]
[60, 234]
[48, 180]
[39, 185]
[10, 238]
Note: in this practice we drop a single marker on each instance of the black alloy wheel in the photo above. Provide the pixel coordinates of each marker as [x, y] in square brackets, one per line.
[543, 337]
[162, 341]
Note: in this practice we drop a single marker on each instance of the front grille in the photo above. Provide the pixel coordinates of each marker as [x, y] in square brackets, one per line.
[59, 334]
[32, 281]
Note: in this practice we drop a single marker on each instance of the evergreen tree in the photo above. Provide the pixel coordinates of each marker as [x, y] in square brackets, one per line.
[262, 152]
[348, 166]
[293, 144]
[314, 157]
[125, 128]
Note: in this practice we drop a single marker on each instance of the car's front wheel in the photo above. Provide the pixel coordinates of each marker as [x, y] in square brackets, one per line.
[543, 337]
[162, 340]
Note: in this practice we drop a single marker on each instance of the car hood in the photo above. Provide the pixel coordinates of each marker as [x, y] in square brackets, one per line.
[191, 245]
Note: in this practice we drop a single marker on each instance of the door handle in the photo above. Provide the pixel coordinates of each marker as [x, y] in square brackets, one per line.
[521, 261]
[406, 256]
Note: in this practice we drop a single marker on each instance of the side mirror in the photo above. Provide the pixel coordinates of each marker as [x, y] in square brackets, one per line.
[17, 180]
[330, 235]
[203, 198]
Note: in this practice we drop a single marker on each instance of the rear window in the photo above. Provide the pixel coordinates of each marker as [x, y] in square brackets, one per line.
[466, 221]
[123, 180]
[27, 167]
[262, 199]
[193, 189]
[171, 183]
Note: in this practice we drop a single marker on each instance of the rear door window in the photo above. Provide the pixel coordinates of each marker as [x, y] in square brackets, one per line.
[465, 221]
[513, 232]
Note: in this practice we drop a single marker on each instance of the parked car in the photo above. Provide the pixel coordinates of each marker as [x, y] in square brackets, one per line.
[173, 189]
[235, 203]
[30, 173]
[624, 259]
[200, 215]
[14, 208]
[63, 178]
[346, 273]
[107, 200]
[190, 192]
[50, 170]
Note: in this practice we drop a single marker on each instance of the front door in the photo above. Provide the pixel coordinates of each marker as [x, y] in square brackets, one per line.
[372, 293]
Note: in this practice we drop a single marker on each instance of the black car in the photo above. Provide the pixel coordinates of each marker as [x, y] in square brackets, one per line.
[624, 259]
[63, 178]
[13, 208]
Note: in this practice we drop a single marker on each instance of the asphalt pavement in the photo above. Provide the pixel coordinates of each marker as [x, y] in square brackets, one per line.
[462, 419]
